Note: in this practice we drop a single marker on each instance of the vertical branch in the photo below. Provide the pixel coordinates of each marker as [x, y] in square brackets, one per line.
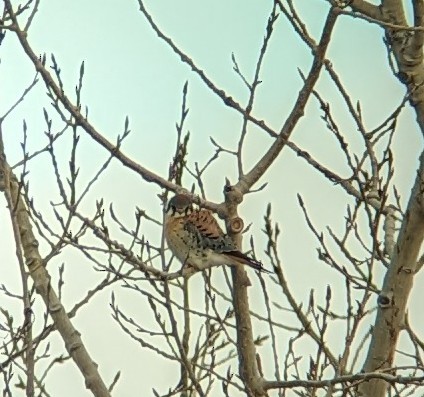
[407, 49]
[41, 279]
[248, 368]
[396, 288]
[27, 327]
[234, 195]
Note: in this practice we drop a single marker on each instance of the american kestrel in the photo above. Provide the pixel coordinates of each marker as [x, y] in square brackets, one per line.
[196, 239]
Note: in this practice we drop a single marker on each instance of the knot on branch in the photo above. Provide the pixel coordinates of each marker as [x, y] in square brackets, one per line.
[384, 300]
[235, 225]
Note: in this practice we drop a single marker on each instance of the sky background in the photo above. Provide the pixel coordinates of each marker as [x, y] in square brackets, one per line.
[130, 72]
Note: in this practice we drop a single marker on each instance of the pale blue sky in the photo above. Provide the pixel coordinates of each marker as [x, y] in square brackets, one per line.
[130, 72]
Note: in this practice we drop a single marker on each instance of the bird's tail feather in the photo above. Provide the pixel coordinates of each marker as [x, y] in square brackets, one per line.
[246, 260]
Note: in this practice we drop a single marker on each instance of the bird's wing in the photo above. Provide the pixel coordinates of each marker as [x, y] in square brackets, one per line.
[207, 232]
[208, 235]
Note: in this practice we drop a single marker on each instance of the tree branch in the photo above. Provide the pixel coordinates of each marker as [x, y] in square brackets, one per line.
[41, 279]
[312, 384]
[76, 114]
[396, 289]
[257, 171]
[365, 8]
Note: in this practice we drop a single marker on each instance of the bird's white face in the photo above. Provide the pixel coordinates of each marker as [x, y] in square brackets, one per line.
[180, 205]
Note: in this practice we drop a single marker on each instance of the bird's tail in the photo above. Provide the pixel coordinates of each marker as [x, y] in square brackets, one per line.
[246, 260]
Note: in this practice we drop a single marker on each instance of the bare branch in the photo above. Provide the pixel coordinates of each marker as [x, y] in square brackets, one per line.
[248, 180]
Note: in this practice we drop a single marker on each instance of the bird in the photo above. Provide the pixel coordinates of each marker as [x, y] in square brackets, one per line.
[194, 236]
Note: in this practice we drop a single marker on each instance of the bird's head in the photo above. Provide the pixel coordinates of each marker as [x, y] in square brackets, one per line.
[179, 205]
